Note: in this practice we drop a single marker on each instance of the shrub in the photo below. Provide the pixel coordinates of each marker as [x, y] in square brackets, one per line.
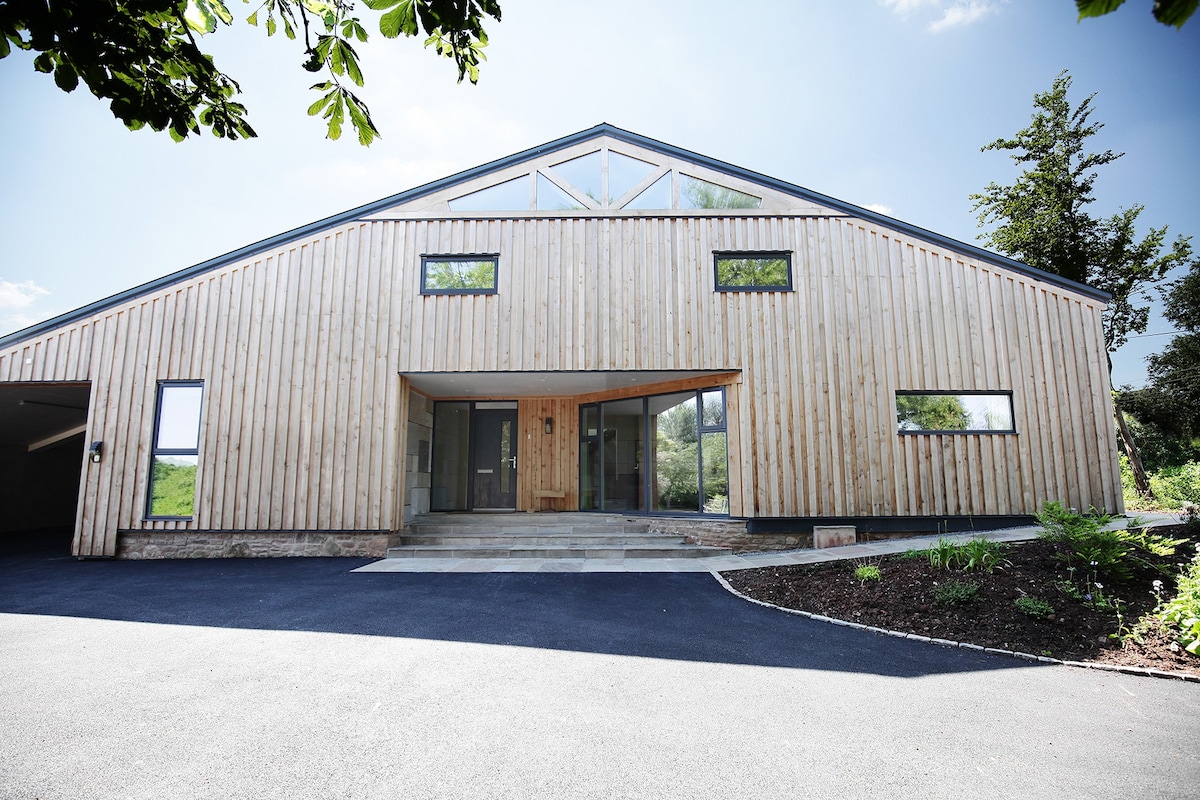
[1183, 610]
[1176, 486]
[942, 554]
[982, 554]
[1034, 607]
[956, 593]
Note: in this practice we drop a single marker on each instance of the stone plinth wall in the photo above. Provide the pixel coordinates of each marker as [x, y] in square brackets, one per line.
[730, 533]
[250, 544]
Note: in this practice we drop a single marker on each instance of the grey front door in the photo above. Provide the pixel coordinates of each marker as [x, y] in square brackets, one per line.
[494, 451]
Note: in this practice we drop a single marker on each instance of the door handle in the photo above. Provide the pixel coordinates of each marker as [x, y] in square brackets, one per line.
[512, 462]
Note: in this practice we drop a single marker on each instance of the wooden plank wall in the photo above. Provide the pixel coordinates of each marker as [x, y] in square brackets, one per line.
[300, 350]
[548, 461]
[301, 400]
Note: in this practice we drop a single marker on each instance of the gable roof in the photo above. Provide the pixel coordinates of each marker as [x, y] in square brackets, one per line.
[603, 129]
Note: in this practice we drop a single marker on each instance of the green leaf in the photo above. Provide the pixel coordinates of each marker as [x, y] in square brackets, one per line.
[1174, 12]
[271, 28]
[253, 18]
[44, 63]
[380, 5]
[218, 8]
[402, 19]
[1096, 8]
[66, 77]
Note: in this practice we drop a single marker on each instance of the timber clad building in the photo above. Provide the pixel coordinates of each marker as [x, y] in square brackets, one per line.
[604, 323]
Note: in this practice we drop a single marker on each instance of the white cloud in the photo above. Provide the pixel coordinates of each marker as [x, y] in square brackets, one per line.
[905, 6]
[962, 13]
[950, 13]
[19, 295]
[879, 209]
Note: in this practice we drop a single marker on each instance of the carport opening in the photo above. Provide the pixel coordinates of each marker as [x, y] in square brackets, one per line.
[42, 445]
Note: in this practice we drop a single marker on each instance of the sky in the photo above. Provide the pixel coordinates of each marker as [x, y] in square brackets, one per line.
[881, 103]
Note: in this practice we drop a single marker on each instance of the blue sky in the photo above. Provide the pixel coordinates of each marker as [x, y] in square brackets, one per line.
[882, 103]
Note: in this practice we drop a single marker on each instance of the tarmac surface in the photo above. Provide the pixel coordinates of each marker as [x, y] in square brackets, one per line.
[298, 678]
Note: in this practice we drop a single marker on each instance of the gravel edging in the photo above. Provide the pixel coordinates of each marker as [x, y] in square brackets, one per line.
[1142, 671]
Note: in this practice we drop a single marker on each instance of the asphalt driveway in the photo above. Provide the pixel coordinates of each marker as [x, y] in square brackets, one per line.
[297, 678]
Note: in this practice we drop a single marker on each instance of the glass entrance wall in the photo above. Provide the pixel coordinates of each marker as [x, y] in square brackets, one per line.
[451, 447]
[662, 453]
[622, 488]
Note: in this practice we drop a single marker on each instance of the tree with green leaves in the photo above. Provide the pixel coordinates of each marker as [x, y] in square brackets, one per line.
[1168, 12]
[1043, 220]
[145, 58]
[1168, 410]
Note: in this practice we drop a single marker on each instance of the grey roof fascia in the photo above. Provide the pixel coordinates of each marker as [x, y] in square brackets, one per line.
[603, 129]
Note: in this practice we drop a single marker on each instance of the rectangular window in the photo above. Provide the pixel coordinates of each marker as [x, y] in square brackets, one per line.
[753, 272]
[176, 451]
[474, 274]
[954, 412]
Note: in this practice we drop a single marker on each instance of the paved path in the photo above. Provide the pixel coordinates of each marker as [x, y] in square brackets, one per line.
[296, 678]
[715, 564]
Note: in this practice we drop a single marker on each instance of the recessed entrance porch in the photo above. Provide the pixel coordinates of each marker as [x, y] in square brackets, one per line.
[625, 442]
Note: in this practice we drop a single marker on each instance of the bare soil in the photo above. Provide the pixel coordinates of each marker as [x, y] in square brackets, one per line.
[903, 600]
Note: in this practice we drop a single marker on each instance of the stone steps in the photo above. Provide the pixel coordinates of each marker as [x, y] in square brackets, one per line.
[545, 536]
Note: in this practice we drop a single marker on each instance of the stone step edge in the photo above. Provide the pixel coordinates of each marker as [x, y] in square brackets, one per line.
[552, 552]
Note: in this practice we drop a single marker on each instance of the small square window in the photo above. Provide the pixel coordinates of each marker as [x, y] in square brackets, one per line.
[467, 274]
[753, 272]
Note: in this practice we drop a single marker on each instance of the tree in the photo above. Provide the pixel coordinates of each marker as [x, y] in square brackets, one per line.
[1168, 409]
[144, 56]
[1168, 12]
[1042, 220]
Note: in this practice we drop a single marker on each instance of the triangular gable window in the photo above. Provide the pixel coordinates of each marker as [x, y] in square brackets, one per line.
[508, 196]
[601, 180]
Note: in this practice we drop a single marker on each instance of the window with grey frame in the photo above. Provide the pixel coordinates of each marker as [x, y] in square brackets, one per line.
[459, 274]
[175, 451]
[662, 453]
[753, 271]
[934, 412]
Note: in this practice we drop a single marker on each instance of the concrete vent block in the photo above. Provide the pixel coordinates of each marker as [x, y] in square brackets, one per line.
[834, 536]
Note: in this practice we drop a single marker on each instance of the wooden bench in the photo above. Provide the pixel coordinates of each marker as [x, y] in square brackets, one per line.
[547, 495]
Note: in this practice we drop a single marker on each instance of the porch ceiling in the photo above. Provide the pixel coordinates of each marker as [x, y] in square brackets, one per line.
[35, 412]
[542, 384]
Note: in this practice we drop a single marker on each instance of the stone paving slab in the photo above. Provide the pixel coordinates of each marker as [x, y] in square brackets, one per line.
[723, 563]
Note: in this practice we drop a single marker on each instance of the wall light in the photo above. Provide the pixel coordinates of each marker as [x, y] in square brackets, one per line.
[549, 424]
[94, 451]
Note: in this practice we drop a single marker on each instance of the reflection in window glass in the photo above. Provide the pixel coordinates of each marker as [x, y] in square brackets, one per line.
[175, 454]
[715, 472]
[508, 196]
[552, 198]
[696, 193]
[753, 271]
[624, 173]
[656, 195]
[974, 412]
[458, 274]
[178, 417]
[451, 443]
[583, 173]
[676, 452]
[714, 408]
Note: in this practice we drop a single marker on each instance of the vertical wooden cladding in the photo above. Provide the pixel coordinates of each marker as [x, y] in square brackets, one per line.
[547, 461]
[815, 427]
[300, 351]
[300, 400]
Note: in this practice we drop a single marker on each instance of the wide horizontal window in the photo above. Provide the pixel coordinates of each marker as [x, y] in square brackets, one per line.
[466, 274]
[954, 412]
[753, 272]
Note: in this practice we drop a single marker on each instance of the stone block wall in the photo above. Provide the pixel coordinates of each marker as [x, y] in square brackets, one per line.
[417, 469]
[729, 533]
[250, 544]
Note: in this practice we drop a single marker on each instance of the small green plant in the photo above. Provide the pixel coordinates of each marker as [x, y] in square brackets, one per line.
[1183, 610]
[1034, 607]
[956, 593]
[911, 554]
[943, 554]
[982, 554]
[867, 572]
